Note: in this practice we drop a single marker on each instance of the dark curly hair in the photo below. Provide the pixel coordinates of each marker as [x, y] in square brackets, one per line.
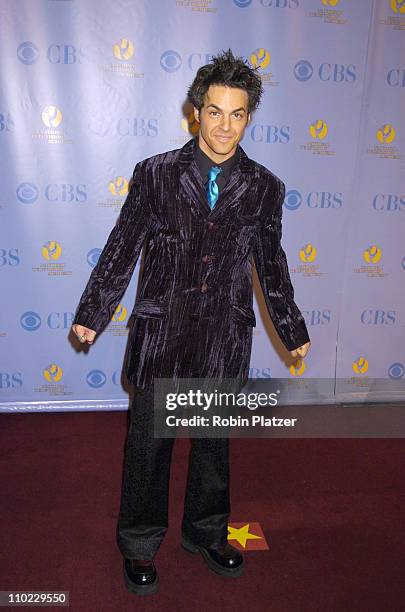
[225, 69]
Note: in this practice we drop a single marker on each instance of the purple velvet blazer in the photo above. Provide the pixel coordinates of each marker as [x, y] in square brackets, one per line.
[193, 315]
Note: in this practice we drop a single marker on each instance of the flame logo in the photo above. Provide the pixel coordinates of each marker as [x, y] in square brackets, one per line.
[51, 116]
[190, 124]
[119, 314]
[318, 129]
[260, 58]
[297, 368]
[386, 134]
[398, 6]
[308, 253]
[330, 2]
[53, 373]
[52, 250]
[119, 186]
[372, 254]
[360, 366]
[124, 49]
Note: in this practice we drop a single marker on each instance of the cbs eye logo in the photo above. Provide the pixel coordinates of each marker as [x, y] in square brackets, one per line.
[28, 53]
[30, 321]
[303, 70]
[96, 379]
[27, 193]
[293, 199]
[396, 371]
[170, 61]
[93, 257]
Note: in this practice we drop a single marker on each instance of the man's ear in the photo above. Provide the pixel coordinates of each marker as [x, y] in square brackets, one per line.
[196, 114]
[249, 118]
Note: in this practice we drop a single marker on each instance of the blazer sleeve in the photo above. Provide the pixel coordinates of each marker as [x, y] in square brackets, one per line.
[113, 271]
[272, 269]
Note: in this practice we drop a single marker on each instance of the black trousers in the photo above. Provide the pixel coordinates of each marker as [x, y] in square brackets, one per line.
[143, 515]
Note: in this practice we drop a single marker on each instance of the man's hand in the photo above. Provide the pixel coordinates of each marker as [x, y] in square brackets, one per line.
[301, 351]
[84, 334]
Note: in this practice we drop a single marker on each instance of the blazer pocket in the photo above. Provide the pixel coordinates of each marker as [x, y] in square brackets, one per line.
[150, 308]
[244, 315]
[250, 220]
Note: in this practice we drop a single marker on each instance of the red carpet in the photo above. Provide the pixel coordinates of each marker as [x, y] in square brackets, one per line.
[331, 511]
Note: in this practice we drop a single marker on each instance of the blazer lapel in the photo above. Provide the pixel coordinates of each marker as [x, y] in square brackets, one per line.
[192, 186]
[231, 194]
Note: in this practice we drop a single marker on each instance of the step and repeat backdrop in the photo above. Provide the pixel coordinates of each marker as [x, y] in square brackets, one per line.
[90, 87]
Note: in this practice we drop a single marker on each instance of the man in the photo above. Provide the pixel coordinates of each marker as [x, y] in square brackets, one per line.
[204, 212]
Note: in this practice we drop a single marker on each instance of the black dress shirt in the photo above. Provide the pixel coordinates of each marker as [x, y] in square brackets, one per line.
[204, 163]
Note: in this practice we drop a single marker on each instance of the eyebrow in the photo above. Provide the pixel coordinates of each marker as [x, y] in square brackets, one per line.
[234, 111]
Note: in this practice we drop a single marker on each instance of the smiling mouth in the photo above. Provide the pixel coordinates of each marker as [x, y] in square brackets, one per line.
[224, 137]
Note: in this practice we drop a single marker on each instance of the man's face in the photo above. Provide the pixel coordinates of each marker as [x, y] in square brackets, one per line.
[223, 119]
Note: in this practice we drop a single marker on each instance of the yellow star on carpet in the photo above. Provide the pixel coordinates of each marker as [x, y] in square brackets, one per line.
[242, 534]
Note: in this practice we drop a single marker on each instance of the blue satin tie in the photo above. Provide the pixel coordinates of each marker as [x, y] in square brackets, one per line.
[211, 187]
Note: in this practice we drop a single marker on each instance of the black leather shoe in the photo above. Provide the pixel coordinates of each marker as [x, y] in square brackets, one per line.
[140, 577]
[226, 561]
